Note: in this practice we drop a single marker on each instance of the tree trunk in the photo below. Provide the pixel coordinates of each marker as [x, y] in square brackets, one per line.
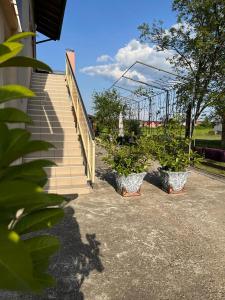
[188, 122]
[223, 132]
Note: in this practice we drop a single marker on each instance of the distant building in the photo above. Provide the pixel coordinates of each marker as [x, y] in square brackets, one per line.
[152, 124]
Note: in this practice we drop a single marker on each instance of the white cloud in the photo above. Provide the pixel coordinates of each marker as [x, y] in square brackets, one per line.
[104, 58]
[125, 57]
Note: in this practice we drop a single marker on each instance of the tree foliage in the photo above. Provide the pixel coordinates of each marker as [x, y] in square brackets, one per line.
[107, 107]
[24, 206]
[197, 45]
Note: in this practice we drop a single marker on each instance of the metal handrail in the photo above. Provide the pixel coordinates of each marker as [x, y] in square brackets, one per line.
[84, 127]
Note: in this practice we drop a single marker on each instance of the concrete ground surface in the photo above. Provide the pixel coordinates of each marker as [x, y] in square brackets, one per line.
[156, 246]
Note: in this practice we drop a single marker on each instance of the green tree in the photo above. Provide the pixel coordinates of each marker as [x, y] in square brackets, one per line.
[197, 43]
[107, 107]
[24, 206]
[219, 106]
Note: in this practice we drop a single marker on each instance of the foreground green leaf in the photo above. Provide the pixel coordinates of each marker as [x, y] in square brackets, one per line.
[17, 194]
[42, 219]
[9, 50]
[20, 36]
[32, 171]
[21, 61]
[16, 266]
[18, 145]
[41, 249]
[13, 91]
[13, 115]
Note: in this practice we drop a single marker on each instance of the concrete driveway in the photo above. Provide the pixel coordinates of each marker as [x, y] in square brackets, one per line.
[156, 246]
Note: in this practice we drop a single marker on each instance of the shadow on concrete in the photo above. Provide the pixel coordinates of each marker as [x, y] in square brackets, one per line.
[71, 265]
[107, 175]
[154, 178]
[75, 260]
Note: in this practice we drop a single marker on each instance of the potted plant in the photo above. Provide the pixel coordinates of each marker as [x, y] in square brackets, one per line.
[174, 156]
[129, 162]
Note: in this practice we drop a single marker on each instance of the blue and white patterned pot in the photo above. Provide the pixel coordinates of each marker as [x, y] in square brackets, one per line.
[131, 183]
[173, 181]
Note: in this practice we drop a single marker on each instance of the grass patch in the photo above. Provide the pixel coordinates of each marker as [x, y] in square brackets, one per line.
[212, 167]
[205, 133]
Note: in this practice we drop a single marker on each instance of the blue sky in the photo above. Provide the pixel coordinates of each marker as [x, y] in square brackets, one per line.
[104, 27]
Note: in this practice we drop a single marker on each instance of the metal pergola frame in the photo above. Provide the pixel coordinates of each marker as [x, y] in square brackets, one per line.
[161, 86]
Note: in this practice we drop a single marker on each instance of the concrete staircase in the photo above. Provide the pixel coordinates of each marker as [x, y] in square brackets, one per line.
[51, 112]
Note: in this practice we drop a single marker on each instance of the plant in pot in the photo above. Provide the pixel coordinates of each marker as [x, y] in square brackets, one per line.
[130, 163]
[174, 156]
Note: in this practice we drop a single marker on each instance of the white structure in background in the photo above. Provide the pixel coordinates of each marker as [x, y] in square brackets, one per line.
[218, 127]
[121, 130]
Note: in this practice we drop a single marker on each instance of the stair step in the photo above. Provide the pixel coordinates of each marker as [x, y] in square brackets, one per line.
[34, 112]
[55, 137]
[53, 92]
[65, 171]
[49, 105]
[52, 130]
[53, 124]
[51, 97]
[62, 144]
[77, 189]
[43, 83]
[53, 120]
[46, 85]
[61, 161]
[48, 82]
[49, 77]
[66, 110]
[57, 182]
[43, 118]
[37, 104]
[70, 152]
[46, 90]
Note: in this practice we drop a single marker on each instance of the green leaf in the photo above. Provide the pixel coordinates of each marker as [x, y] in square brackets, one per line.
[38, 145]
[14, 146]
[22, 61]
[38, 220]
[50, 200]
[4, 134]
[14, 197]
[41, 248]
[13, 115]
[16, 267]
[20, 145]
[13, 91]
[17, 194]
[9, 50]
[20, 36]
[32, 171]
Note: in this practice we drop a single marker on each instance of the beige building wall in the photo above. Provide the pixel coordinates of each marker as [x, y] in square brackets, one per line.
[11, 23]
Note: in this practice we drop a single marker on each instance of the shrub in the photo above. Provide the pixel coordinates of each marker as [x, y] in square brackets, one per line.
[172, 150]
[132, 126]
[127, 159]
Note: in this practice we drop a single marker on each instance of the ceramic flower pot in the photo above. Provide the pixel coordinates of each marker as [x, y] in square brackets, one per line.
[130, 185]
[173, 182]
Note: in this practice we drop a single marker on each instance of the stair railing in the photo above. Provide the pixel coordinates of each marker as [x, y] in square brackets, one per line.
[84, 127]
